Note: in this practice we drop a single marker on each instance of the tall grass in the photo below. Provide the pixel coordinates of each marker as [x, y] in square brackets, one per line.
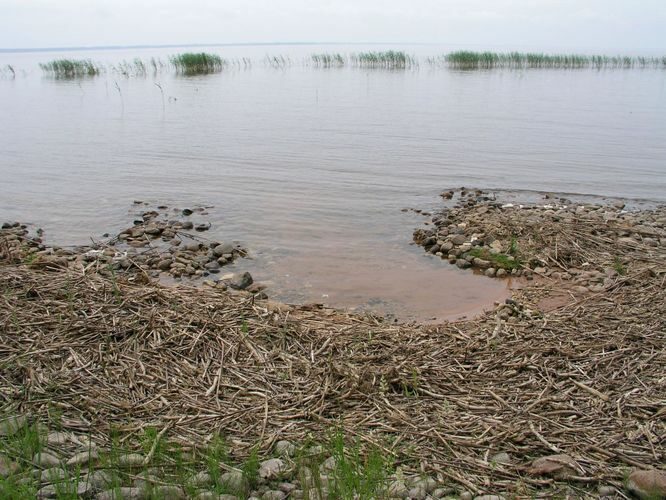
[383, 60]
[190, 63]
[464, 59]
[71, 68]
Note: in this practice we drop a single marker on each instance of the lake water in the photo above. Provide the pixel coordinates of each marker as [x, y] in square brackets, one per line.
[310, 168]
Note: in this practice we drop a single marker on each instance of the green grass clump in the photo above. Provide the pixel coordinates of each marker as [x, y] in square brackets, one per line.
[499, 260]
[465, 59]
[200, 63]
[71, 68]
[383, 60]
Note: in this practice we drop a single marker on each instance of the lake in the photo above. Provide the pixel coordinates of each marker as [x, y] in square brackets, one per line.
[309, 167]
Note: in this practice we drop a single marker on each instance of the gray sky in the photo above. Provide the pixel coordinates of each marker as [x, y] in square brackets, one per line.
[626, 25]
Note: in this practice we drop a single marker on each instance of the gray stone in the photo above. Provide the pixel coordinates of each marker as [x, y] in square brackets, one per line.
[606, 491]
[213, 266]
[490, 272]
[124, 493]
[99, 479]
[234, 480]
[187, 225]
[501, 458]
[211, 495]
[11, 425]
[466, 495]
[274, 495]
[7, 467]
[328, 465]
[45, 460]
[200, 479]
[489, 497]
[172, 492]
[501, 273]
[240, 281]
[463, 263]
[458, 239]
[446, 247]
[272, 468]
[223, 249]
[131, 460]
[57, 438]
[397, 489]
[417, 493]
[287, 487]
[53, 475]
[285, 448]
[442, 492]
[481, 263]
[427, 483]
[83, 458]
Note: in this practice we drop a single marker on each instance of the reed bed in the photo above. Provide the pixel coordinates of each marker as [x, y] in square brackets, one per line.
[191, 63]
[328, 60]
[383, 60]
[124, 353]
[71, 68]
[517, 60]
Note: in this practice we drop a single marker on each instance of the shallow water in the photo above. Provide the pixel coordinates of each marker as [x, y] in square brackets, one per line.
[310, 168]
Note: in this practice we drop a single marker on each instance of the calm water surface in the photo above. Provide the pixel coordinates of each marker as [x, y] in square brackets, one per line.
[309, 168]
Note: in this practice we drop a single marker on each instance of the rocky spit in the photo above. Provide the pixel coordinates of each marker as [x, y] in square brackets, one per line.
[556, 239]
[156, 246]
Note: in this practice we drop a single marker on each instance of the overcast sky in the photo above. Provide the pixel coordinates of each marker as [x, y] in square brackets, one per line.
[540, 24]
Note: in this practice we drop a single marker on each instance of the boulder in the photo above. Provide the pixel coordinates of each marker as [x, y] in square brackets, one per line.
[240, 281]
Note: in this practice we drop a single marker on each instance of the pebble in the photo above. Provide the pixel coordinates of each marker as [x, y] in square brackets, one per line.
[442, 492]
[274, 495]
[171, 492]
[45, 460]
[501, 273]
[211, 495]
[417, 493]
[501, 458]
[83, 457]
[200, 479]
[52, 475]
[240, 281]
[490, 272]
[7, 467]
[130, 460]
[233, 480]
[11, 425]
[285, 448]
[123, 493]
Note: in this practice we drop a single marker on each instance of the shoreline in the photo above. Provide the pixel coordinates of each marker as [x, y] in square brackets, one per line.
[554, 371]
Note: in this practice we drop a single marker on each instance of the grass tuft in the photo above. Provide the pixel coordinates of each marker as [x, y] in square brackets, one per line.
[71, 68]
[200, 63]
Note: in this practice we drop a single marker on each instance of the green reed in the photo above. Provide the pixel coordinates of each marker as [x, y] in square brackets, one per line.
[191, 63]
[71, 68]
[464, 59]
[383, 60]
[328, 60]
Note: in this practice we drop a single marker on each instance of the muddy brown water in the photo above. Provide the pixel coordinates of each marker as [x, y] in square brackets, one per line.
[310, 168]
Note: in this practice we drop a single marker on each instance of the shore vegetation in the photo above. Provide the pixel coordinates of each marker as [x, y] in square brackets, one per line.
[191, 63]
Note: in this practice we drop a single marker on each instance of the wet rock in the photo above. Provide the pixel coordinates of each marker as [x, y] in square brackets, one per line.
[187, 225]
[271, 469]
[213, 267]
[187, 212]
[648, 484]
[222, 249]
[490, 272]
[202, 227]
[463, 263]
[240, 281]
[558, 466]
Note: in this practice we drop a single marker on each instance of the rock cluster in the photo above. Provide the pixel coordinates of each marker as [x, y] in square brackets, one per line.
[587, 245]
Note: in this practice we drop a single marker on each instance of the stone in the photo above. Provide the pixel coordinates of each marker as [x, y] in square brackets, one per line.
[559, 466]
[606, 491]
[187, 212]
[489, 497]
[502, 458]
[83, 458]
[211, 495]
[57, 438]
[274, 495]
[446, 247]
[53, 475]
[648, 484]
[490, 272]
[200, 479]
[131, 460]
[240, 281]
[287, 487]
[99, 480]
[397, 489]
[234, 480]
[223, 249]
[442, 492]
[123, 493]
[427, 483]
[153, 230]
[272, 468]
[417, 493]
[328, 465]
[187, 225]
[164, 265]
[463, 263]
[11, 425]
[466, 495]
[285, 448]
[501, 273]
[172, 492]
[213, 267]
[458, 239]
[7, 467]
[481, 263]
[202, 227]
[45, 460]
